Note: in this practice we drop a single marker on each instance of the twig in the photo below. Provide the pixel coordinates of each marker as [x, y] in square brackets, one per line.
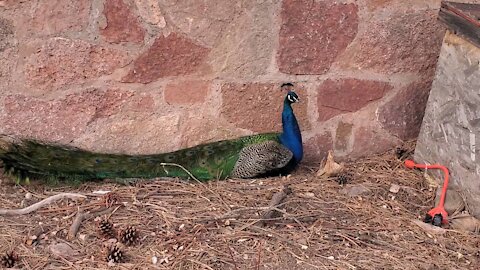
[77, 222]
[233, 258]
[302, 260]
[40, 204]
[200, 263]
[279, 210]
[265, 232]
[72, 232]
[179, 166]
[259, 258]
[235, 213]
[194, 178]
[275, 202]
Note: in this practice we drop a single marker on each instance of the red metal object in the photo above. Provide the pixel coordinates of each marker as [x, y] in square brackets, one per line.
[439, 209]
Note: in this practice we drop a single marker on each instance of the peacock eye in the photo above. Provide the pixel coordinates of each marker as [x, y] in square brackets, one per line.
[169, 158]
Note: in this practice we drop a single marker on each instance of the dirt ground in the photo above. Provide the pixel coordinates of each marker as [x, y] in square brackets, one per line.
[217, 225]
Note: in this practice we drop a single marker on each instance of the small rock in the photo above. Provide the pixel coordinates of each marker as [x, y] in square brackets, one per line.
[465, 222]
[394, 188]
[154, 260]
[309, 194]
[428, 228]
[302, 242]
[62, 250]
[30, 242]
[82, 237]
[331, 258]
[354, 190]
[459, 255]
[28, 195]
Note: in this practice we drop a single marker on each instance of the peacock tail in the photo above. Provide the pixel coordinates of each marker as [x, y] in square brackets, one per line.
[245, 157]
[217, 160]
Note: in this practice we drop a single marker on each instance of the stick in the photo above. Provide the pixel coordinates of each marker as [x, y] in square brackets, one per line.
[233, 258]
[72, 232]
[179, 166]
[40, 204]
[275, 202]
[236, 213]
[81, 216]
[194, 178]
[259, 258]
[266, 232]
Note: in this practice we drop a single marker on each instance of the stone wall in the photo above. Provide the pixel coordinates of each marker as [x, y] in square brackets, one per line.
[144, 76]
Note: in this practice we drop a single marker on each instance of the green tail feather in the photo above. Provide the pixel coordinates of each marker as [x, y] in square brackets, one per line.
[26, 159]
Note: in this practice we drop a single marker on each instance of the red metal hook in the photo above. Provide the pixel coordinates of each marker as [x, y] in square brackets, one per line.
[439, 209]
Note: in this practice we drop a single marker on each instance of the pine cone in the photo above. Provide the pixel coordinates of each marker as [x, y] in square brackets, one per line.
[9, 259]
[401, 152]
[110, 199]
[105, 228]
[115, 254]
[344, 178]
[128, 236]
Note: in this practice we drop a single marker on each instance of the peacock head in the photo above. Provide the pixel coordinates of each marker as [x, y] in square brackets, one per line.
[291, 97]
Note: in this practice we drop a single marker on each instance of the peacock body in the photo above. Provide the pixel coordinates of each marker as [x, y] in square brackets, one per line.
[245, 157]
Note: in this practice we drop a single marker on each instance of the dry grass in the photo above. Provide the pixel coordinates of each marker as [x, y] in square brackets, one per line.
[215, 225]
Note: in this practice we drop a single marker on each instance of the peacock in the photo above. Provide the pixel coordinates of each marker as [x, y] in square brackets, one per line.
[254, 156]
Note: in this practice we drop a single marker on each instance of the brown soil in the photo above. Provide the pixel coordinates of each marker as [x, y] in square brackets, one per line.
[189, 225]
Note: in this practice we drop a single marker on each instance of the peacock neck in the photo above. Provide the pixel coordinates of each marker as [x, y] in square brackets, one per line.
[291, 136]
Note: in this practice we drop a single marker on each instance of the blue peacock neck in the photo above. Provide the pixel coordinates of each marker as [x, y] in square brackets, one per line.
[291, 136]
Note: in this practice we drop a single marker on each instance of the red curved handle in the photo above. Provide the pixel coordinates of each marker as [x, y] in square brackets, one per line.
[411, 165]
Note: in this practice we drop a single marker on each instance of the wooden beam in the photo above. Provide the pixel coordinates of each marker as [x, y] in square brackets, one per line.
[462, 19]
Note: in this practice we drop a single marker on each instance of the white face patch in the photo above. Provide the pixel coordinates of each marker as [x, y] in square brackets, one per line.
[292, 98]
